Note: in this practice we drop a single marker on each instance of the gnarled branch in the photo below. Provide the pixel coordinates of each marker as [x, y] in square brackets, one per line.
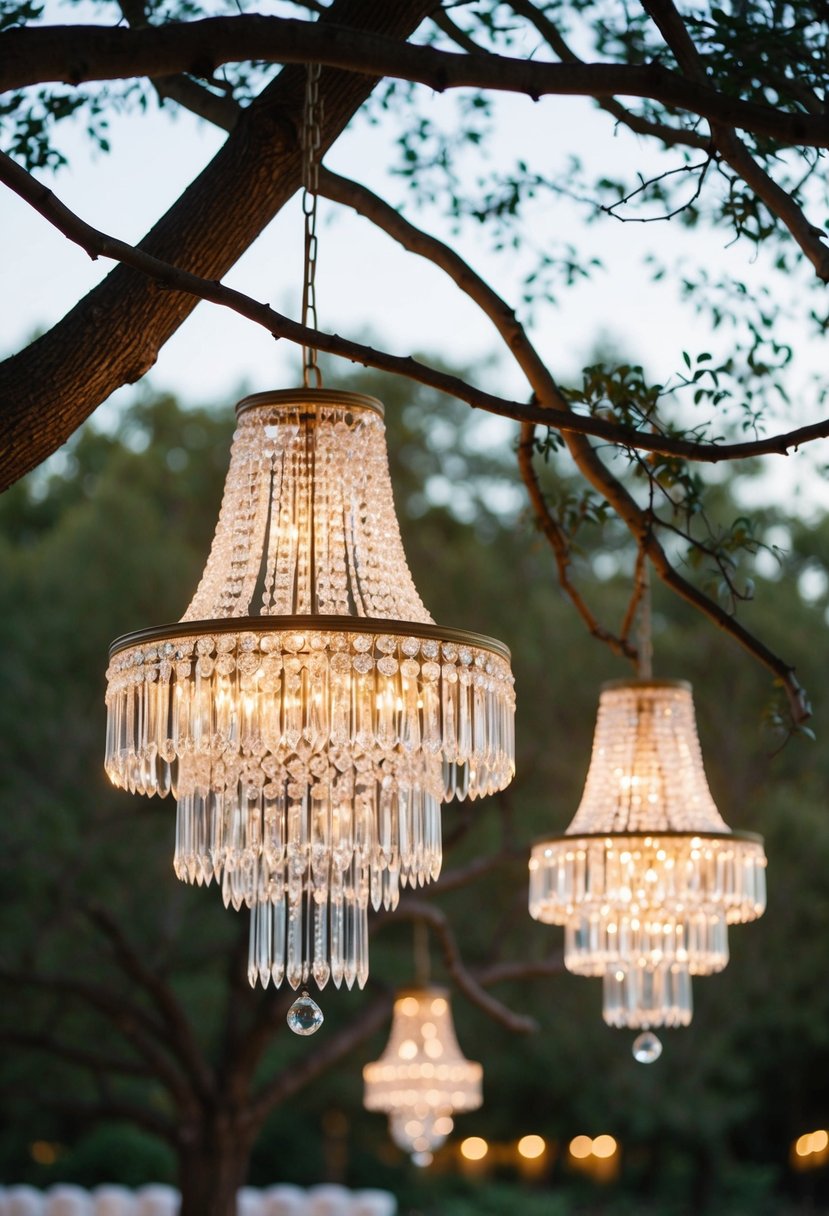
[82, 53]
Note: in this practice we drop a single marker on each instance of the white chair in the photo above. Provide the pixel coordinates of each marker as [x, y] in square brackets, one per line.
[63, 1199]
[372, 1202]
[111, 1200]
[248, 1202]
[329, 1200]
[24, 1201]
[284, 1200]
[157, 1200]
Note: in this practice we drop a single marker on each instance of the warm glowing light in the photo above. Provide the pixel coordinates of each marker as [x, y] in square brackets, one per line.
[604, 1146]
[812, 1144]
[581, 1147]
[474, 1148]
[531, 1147]
[804, 1145]
[648, 876]
[43, 1152]
[307, 673]
[422, 1077]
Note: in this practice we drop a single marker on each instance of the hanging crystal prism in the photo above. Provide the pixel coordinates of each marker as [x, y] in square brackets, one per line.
[305, 1016]
[646, 1048]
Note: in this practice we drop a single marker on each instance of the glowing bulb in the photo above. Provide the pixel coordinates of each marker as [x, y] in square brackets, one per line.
[531, 1146]
[474, 1148]
[604, 1146]
[804, 1145]
[581, 1147]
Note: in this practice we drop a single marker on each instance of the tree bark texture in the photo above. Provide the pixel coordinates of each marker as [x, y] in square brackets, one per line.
[213, 1167]
[112, 336]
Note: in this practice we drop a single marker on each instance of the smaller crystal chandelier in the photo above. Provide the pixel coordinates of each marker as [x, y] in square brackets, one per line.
[648, 876]
[422, 1079]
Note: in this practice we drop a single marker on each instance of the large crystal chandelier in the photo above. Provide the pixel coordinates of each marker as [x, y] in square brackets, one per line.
[648, 876]
[306, 714]
[422, 1078]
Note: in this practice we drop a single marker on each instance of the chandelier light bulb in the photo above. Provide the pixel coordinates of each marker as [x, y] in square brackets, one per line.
[306, 714]
[422, 1079]
[648, 876]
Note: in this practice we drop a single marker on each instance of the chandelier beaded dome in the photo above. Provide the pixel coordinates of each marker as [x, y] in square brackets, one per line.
[648, 876]
[422, 1078]
[306, 714]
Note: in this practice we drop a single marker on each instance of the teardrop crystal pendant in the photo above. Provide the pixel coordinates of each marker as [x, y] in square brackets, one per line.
[305, 1016]
[648, 876]
[647, 1048]
[309, 748]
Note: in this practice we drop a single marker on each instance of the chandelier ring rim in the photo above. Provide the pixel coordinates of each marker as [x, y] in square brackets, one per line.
[309, 623]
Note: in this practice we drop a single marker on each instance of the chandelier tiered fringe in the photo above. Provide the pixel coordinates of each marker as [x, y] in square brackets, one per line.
[648, 876]
[422, 1078]
[309, 748]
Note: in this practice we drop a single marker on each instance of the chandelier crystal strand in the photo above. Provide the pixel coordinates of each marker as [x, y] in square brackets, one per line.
[422, 1078]
[648, 876]
[309, 747]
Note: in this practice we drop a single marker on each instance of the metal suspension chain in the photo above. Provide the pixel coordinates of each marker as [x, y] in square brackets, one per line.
[311, 140]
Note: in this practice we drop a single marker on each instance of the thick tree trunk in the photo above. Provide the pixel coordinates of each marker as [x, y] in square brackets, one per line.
[113, 336]
[213, 1168]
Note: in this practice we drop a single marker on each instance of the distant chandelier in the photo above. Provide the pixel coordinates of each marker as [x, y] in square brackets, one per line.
[648, 876]
[309, 747]
[422, 1078]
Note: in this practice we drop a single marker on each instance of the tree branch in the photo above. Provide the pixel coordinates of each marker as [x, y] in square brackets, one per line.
[112, 337]
[561, 548]
[134, 1023]
[82, 53]
[221, 111]
[523, 969]
[669, 135]
[733, 150]
[553, 404]
[99, 244]
[89, 1060]
[556, 414]
[178, 1026]
[468, 984]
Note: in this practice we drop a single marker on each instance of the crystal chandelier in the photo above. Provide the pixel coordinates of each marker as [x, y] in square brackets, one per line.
[422, 1079]
[648, 876]
[306, 714]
